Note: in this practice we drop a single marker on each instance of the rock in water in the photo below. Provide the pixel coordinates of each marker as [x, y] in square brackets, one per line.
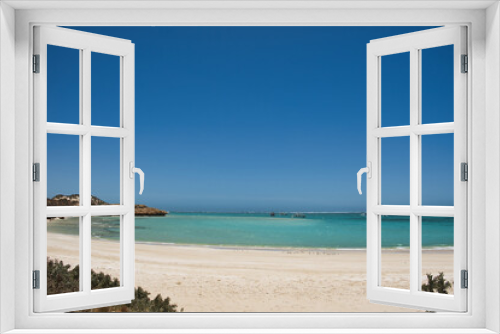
[143, 210]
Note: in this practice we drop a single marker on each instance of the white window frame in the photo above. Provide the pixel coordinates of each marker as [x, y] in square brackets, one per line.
[414, 43]
[85, 43]
[482, 19]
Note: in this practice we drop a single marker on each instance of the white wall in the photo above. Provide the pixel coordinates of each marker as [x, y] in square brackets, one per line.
[492, 165]
[7, 163]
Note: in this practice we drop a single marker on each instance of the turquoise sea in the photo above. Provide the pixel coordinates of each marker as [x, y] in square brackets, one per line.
[316, 230]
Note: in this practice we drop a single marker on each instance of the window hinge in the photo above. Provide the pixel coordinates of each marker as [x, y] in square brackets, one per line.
[464, 167]
[465, 64]
[36, 172]
[465, 279]
[36, 63]
[36, 279]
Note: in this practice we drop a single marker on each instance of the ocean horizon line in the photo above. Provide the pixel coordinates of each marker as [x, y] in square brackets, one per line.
[269, 212]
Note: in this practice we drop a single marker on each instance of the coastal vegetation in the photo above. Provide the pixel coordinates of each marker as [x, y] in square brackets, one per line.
[436, 284]
[61, 278]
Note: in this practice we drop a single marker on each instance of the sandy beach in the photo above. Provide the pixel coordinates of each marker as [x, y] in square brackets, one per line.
[213, 279]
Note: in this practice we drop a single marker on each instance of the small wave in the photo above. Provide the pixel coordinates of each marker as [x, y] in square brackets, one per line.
[438, 248]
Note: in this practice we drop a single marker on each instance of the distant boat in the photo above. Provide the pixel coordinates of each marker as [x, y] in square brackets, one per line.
[298, 215]
[272, 214]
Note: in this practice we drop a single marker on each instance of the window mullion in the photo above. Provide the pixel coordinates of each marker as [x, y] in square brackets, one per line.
[85, 96]
[414, 168]
[85, 252]
[85, 167]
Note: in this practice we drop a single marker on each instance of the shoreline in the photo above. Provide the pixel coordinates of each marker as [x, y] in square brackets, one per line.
[265, 247]
[279, 248]
[270, 248]
[220, 279]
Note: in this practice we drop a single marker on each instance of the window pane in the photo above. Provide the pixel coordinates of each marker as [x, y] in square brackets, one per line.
[437, 169]
[63, 170]
[395, 261]
[437, 85]
[63, 85]
[437, 254]
[105, 252]
[63, 255]
[395, 171]
[105, 90]
[395, 90]
[105, 171]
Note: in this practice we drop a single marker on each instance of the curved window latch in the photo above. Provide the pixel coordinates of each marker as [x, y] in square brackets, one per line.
[139, 171]
[368, 171]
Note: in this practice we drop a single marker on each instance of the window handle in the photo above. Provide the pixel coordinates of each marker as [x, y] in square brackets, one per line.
[139, 171]
[368, 171]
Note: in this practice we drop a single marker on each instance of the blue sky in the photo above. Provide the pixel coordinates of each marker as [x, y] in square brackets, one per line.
[252, 118]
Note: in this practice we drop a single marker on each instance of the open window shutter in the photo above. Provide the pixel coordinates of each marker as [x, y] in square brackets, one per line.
[415, 43]
[84, 296]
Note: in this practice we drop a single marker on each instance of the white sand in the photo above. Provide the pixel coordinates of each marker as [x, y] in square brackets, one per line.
[208, 279]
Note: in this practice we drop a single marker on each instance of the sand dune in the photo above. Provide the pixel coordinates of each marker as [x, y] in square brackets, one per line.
[210, 279]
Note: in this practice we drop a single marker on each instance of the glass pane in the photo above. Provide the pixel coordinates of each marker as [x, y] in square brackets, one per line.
[395, 90]
[437, 169]
[105, 90]
[437, 85]
[63, 170]
[395, 171]
[105, 252]
[105, 170]
[395, 261]
[63, 255]
[63, 85]
[437, 254]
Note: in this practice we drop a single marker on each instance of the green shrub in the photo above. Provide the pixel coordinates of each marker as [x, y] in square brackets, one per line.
[436, 284]
[61, 279]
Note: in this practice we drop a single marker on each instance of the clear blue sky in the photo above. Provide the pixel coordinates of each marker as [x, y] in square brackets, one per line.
[252, 118]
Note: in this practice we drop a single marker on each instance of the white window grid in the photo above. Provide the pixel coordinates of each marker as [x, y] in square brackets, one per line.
[414, 43]
[475, 320]
[86, 43]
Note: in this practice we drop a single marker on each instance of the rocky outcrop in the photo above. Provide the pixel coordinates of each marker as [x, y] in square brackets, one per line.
[74, 200]
[143, 210]
[64, 200]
